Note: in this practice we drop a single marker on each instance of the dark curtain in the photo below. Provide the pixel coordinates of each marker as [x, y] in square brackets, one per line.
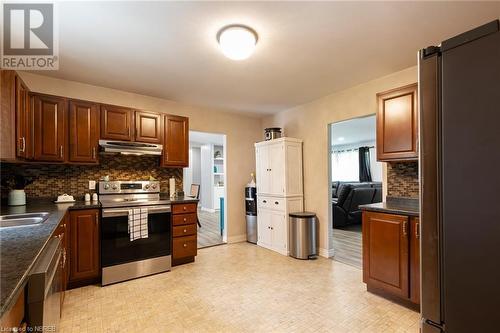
[364, 165]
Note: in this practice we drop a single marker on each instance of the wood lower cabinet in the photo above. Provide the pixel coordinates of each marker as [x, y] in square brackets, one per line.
[184, 231]
[62, 232]
[390, 255]
[49, 122]
[84, 246]
[397, 124]
[83, 132]
[175, 141]
[117, 123]
[148, 126]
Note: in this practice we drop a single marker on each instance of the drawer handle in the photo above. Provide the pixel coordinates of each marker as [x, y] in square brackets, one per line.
[185, 219]
[264, 201]
[185, 230]
[185, 245]
[276, 203]
[184, 207]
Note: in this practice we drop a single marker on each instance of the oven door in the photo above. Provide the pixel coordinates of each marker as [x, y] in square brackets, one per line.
[116, 246]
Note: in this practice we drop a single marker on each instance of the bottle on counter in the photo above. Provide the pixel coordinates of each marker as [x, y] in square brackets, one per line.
[87, 197]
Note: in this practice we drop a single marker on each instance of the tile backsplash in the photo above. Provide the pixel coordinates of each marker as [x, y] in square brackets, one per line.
[51, 180]
[402, 179]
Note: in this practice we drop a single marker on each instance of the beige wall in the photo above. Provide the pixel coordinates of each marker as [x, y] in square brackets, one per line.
[241, 131]
[309, 122]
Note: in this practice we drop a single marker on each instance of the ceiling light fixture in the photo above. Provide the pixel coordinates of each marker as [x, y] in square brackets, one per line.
[341, 138]
[237, 41]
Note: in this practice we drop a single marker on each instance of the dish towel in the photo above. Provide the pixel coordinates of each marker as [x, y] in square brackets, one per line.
[137, 223]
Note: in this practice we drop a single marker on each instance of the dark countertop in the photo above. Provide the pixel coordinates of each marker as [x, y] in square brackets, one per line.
[21, 246]
[402, 206]
[165, 196]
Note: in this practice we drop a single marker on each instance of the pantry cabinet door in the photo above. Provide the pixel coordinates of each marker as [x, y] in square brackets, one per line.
[277, 169]
[262, 170]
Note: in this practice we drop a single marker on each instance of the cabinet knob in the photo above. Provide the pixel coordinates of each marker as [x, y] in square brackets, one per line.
[185, 245]
[276, 203]
[185, 219]
[417, 231]
[185, 230]
[184, 207]
[404, 228]
[264, 201]
[61, 151]
[93, 153]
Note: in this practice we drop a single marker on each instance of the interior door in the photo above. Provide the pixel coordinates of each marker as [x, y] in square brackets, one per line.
[83, 131]
[385, 252]
[49, 128]
[277, 169]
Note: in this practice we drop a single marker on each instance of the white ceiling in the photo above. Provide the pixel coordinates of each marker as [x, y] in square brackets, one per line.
[354, 131]
[306, 49]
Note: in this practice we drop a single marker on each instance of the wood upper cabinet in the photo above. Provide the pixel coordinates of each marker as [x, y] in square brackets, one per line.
[23, 120]
[397, 124]
[148, 127]
[415, 260]
[385, 252]
[175, 141]
[84, 245]
[7, 116]
[117, 123]
[49, 126]
[83, 131]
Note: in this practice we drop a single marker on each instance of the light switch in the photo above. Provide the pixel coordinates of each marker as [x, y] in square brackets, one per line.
[91, 184]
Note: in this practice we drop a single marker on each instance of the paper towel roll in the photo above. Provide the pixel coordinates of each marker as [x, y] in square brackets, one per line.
[172, 187]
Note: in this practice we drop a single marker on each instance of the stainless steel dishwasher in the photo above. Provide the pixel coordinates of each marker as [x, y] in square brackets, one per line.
[44, 289]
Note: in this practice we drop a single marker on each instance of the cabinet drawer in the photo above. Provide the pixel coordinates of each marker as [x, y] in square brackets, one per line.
[271, 203]
[184, 247]
[184, 230]
[184, 219]
[184, 208]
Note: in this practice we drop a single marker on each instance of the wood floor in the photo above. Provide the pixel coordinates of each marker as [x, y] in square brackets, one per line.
[238, 288]
[209, 233]
[347, 245]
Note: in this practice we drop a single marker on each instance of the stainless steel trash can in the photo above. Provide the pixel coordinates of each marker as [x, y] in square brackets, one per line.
[303, 233]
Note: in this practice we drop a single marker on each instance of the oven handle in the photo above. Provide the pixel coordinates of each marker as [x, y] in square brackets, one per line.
[113, 212]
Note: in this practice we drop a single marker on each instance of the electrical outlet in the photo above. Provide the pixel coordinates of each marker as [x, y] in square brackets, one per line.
[91, 184]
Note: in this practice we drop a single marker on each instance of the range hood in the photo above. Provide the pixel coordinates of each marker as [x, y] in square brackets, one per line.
[130, 148]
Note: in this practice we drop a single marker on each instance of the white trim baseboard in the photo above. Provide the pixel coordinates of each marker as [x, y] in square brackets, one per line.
[327, 253]
[237, 238]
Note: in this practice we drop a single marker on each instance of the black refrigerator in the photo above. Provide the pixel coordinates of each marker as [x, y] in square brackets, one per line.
[459, 89]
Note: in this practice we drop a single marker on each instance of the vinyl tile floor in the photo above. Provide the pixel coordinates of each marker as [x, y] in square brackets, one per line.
[238, 288]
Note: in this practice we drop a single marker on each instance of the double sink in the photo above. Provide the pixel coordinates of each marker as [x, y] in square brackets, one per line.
[26, 219]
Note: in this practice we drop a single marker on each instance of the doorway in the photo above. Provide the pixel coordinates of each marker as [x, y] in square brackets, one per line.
[355, 178]
[207, 168]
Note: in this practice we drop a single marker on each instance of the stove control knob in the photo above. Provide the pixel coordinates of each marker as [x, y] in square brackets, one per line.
[106, 186]
[153, 186]
[146, 186]
[114, 187]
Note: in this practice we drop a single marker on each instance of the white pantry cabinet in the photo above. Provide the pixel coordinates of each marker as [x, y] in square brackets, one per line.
[279, 190]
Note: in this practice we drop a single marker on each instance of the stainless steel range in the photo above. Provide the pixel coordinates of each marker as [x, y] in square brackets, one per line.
[122, 258]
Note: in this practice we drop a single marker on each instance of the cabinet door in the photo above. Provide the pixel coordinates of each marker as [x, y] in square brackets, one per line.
[262, 169]
[277, 169]
[385, 252]
[7, 115]
[83, 132]
[22, 117]
[264, 222]
[397, 124]
[84, 244]
[147, 127]
[116, 123]
[176, 141]
[279, 231]
[49, 128]
[415, 260]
